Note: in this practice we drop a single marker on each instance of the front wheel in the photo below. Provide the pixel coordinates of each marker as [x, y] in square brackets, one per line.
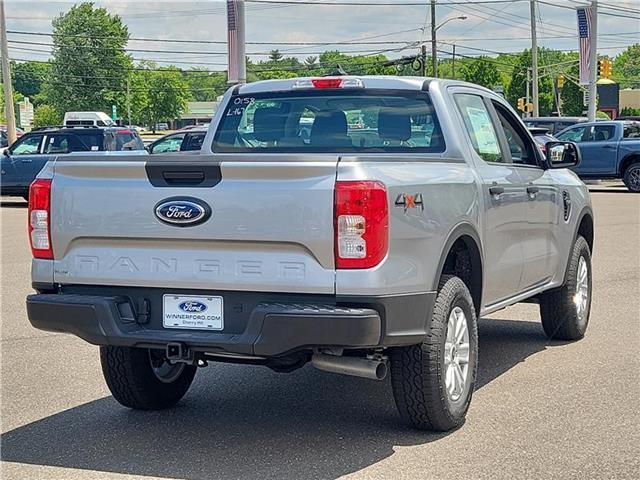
[433, 382]
[632, 177]
[143, 378]
[565, 311]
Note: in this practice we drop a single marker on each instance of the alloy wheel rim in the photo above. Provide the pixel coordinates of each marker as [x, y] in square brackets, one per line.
[456, 354]
[634, 178]
[581, 297]
[164, 370]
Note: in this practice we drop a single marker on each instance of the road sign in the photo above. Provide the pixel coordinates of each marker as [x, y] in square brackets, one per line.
[114, 113]
[25, 111]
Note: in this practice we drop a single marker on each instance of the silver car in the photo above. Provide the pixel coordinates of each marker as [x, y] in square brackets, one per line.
[293, 238]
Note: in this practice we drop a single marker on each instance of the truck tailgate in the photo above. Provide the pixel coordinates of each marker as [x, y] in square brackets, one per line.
[271, 224]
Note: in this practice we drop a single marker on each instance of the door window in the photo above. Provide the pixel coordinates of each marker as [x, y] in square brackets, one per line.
[27, 145]
[169, 144]
[572, 135]
[601, 133]
[519, 143]
[57, 144]
[194, 141]
[479, 126]
[631, 131]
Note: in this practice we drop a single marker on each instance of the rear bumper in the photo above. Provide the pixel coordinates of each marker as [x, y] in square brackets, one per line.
[265, 325]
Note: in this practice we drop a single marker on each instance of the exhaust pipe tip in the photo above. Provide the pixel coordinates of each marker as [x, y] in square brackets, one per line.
[354, 366]
[381, 370]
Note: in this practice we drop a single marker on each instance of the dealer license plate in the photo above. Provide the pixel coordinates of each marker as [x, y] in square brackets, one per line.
[192, 312]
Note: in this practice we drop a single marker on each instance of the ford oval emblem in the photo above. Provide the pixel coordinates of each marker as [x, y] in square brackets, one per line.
[182, 211]
[192, 306]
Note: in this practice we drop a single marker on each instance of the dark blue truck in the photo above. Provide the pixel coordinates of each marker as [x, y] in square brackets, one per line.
[23, 160]
[609, 150]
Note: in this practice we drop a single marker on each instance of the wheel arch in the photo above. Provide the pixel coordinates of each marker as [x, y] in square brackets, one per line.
[462, 256]
[584, 227]
[628, 160]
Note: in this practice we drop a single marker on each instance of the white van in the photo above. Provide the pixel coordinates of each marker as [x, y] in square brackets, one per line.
[87, 119]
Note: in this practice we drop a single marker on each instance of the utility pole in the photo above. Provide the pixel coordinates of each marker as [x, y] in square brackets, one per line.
[423, 57]
[528, 98]
[237, 71]
[593, 61]
[6, 79]
[128, 102]
[534, 57]
[434, 52]
[453, 62]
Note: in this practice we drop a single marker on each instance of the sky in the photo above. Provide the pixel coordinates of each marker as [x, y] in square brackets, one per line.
[489, 27]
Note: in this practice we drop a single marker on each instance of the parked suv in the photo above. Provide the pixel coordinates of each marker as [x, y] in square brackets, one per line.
[356, 250]
[22, 161]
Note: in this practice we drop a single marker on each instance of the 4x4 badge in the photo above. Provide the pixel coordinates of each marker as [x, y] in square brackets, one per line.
[409, 201]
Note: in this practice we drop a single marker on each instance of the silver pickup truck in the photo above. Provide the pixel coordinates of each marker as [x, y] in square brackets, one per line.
[373, 241]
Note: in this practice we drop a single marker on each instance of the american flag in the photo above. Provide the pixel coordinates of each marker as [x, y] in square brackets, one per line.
[232, 41]
[584, 34]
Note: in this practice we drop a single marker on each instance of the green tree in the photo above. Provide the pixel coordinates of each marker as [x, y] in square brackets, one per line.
[44, 115]
[275, 55]
[29, 78]
[482, 71]
[572, 96]
[89, 64]
[517, 85]
[205, 86]
[165, 96]
[310, 62]
[626, 67]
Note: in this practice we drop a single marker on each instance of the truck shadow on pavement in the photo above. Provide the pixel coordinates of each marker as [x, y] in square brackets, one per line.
[248, 422]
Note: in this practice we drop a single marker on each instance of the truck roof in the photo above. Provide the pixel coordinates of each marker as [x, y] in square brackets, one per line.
[385, 82]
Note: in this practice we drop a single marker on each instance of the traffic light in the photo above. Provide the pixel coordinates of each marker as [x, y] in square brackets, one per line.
[521, 106]
[561, 80]
[607, 68]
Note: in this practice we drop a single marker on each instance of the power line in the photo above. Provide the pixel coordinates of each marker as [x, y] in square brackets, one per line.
[373, 4]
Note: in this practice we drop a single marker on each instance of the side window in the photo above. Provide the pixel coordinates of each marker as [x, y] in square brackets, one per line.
[27, 145]
[631, 131]
[83, 142]
[169, 144]
[194, 141]
[601, 133]
[57, 144]
[572, 135]
[519, 143]
[479, 126]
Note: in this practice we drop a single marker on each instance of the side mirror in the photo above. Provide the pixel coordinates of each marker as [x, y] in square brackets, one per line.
[5, 152]
[562, 154]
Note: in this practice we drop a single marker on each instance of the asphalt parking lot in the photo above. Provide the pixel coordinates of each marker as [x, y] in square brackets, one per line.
[542, 409]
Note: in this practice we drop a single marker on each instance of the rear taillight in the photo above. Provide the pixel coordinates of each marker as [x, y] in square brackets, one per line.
[361, 224]
[40, 218]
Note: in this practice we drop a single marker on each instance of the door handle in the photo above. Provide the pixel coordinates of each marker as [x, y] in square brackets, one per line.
[532, 191]
[496, 191]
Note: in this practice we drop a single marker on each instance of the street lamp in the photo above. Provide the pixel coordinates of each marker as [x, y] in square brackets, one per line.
[434, 29]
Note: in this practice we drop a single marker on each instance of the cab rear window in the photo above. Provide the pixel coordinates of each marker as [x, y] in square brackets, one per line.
[330, 121]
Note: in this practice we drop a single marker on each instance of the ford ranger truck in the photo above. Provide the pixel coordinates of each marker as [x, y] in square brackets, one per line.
[361, 250]
[608, 150]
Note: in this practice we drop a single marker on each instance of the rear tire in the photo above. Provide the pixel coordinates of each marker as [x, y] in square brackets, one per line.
[433, 382]
[565, 311]
[632, 177]
[141, 378]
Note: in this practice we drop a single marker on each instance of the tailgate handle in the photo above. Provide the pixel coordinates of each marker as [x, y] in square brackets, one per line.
[183, 178]
[183, 174]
